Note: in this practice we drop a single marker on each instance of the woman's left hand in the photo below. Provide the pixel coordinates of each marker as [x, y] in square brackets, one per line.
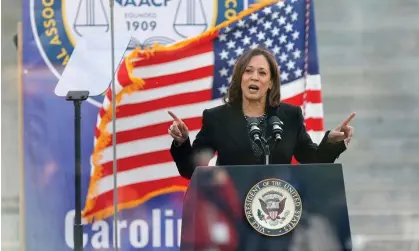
[343, 132]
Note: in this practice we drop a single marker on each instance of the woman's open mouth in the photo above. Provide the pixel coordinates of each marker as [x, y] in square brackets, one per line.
[253, 89]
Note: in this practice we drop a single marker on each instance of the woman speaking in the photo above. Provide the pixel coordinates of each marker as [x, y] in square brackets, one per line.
[253, 99]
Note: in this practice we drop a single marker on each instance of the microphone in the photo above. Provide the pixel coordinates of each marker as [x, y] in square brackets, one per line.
[255, 132]
[276, 124]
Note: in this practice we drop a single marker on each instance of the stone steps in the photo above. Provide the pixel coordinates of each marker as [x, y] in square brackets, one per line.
[380, 175]
[387, 202]
[380, 223]
[386, 243]
[369, 62]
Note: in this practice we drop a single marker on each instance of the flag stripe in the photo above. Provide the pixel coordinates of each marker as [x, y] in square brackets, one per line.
[315, 124]
[176, 85]
[299, 86]
[311, 97]
[137, 175]
[152, 131]
[176, 66]
[170, 56]
[136, 192]
[178, 77]
[316, 136]
[172, 101]
[160, 115]
[132, 162]
[142, 146]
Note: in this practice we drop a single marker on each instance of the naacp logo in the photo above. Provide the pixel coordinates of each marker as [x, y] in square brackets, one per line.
[58, 24]
[273, 207]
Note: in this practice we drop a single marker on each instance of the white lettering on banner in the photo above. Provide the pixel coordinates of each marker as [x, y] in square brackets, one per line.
[101, 238]
[138, 234]
[133, 15]
[143, 25]
[156, 230]
[136, 231]
[68, 230]
[143, 3]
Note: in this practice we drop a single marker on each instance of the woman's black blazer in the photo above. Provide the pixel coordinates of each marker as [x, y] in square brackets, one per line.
[224, 130]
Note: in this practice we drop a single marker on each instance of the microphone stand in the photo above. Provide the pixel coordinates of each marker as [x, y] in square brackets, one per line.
[267, 153]
[77, 97]
[264, 144]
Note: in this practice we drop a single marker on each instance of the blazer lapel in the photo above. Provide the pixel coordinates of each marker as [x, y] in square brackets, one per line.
[237, 129]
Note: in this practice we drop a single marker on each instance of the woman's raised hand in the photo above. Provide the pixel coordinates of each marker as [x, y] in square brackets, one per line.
[343, 131]
[178, 130]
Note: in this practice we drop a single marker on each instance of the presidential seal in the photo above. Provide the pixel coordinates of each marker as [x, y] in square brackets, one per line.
[273, 207]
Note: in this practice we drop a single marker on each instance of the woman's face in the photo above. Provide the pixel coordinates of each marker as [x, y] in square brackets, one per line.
[256, 79]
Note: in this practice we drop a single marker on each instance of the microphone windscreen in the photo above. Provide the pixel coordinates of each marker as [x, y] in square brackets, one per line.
[252, 120]
[274, 119]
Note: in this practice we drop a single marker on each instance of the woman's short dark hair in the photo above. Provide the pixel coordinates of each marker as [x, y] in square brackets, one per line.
[234, 93]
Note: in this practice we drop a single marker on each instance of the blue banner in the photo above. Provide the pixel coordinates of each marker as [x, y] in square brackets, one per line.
[50, 28]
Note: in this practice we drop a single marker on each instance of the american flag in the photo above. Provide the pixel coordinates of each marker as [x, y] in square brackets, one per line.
[187, 78]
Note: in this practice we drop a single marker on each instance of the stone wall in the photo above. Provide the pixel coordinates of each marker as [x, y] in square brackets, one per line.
[369, 58]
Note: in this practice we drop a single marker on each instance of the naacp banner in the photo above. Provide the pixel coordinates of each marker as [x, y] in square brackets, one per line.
[51, 29]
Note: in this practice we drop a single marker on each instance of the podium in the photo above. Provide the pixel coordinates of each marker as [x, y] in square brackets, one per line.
[266, 208]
